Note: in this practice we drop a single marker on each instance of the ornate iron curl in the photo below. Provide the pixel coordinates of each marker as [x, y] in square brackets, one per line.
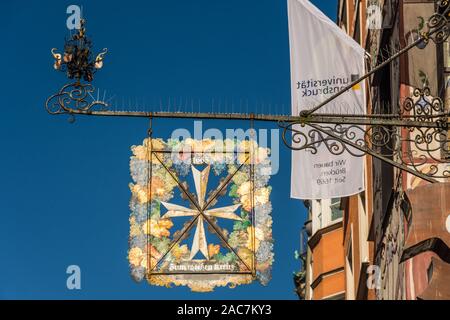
[438, 29]
[422, 106]
[415, 140]
[73, 98]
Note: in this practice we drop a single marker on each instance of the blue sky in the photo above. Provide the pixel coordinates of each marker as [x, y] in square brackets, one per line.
[64, 189]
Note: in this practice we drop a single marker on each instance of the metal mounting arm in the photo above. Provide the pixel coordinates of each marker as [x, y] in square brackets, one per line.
[415, 140]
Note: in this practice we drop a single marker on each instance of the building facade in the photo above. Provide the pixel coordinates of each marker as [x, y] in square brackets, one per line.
[393, 237]
[324, 265]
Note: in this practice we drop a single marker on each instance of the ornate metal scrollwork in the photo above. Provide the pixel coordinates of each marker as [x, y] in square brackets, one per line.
[310, 139]
[422, 106]
[78, 63]
[72, 98]
[418, 146]
[438, 23]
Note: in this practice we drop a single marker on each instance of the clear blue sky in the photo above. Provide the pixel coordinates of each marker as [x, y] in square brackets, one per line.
[64, 187]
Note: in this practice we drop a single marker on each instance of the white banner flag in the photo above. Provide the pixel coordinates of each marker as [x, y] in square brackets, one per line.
[324, 59]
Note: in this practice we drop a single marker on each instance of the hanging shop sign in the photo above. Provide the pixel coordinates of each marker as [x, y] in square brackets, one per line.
[200, 213]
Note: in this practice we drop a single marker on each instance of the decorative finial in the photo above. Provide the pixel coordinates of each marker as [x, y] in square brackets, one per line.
[77, 60]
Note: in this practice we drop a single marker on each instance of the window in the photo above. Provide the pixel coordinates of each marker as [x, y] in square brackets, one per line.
[350, 255]
[349, 276]
[430, 272]
[316, 215]
[338, 296]
[363, 223]
[357, 31]
[444, 85]
[362, 195]
[319, 217]
[336, 212]
[325, 212]
[344, 16]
